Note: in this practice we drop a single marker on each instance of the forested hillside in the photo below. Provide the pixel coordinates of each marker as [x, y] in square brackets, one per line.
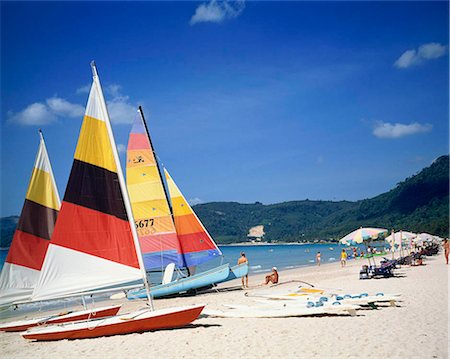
[419, 203]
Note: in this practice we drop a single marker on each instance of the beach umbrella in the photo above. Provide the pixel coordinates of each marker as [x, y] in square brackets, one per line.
[363, 235]
[400, 237]
[425, 236]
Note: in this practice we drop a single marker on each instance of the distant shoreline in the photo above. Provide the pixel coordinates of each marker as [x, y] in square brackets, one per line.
[239, 244]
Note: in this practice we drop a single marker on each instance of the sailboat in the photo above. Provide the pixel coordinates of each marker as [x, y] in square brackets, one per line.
[26, 255]
[170, 233]
[95, 246]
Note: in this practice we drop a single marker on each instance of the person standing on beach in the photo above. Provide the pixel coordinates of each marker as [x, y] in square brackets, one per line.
[446, 246]
[343, 258]
[243, 259]
[318, 258]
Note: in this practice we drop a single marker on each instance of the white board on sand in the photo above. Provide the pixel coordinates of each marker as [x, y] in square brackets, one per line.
[243, 311]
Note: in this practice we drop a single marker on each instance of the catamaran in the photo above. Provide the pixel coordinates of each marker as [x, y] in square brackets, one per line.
[95, 246]
[170, 233]
[23, 265]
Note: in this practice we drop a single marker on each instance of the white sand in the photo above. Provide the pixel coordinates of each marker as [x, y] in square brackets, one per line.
[417, 328]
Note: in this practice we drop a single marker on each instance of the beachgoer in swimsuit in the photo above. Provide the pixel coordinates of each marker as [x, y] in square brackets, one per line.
[272, 277]
[446, 246]
[243, 259]
[318, 258]
[343, 258]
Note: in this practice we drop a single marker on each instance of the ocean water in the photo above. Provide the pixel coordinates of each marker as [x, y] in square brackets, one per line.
[283, 256]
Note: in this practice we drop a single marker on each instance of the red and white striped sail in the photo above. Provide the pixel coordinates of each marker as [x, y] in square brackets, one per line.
[23, 264]
[94, 245]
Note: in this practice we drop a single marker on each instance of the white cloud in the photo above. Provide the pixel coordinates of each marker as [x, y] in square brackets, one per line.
[432, 50]
[84, 89]
[407, 59]
[194, 201]
[397, 130]
[36, 114]
[120, 110]
[64, 108]
[217, 11]
[113, 90]
[425, 52]
[121, 148]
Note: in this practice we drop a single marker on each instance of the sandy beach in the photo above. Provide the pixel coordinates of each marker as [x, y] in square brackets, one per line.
[416, 328]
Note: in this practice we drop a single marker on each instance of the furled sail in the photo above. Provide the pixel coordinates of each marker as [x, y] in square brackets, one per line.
[92, 246]
[198, 246]
[149, 201]
[23, 264]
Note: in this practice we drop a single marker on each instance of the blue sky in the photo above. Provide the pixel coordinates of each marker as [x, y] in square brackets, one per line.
[254, 101]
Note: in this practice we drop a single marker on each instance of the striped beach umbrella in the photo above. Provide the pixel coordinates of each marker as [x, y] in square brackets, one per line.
[361, 235]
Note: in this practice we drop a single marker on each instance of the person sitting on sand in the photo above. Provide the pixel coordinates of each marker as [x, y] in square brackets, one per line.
[243, 259]
[343, 258]
[272, 278]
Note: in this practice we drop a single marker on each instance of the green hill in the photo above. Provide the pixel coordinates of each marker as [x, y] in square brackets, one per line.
[7, 228]
[420, 204]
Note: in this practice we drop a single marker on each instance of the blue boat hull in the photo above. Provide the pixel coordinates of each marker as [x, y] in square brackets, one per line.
[196, 281]
[237, 271]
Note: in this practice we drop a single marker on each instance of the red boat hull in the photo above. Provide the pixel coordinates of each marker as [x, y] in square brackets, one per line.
[111, 311]
[120, 325]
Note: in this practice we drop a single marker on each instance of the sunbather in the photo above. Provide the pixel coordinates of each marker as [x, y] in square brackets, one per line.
[273, 277]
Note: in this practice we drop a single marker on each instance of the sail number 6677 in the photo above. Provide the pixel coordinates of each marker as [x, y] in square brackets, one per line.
[144, 223]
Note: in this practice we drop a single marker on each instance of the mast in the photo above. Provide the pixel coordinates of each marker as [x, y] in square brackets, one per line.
[169, 202]
[141, 112]
[123, 188]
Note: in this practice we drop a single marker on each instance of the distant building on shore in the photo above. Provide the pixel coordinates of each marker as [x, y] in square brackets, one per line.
[256, 234]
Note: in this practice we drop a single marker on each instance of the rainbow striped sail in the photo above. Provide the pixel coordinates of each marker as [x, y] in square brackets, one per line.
[168, 229]
[198, 246]
[93, 246]
[34, 230]
[151, 209]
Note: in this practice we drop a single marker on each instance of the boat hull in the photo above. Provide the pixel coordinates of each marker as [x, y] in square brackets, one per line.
[236, 271]
[21, 325]
[196, 281]
[137, 322]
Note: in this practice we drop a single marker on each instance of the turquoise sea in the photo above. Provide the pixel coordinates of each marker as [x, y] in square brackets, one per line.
[263, 257]
[283, 256]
